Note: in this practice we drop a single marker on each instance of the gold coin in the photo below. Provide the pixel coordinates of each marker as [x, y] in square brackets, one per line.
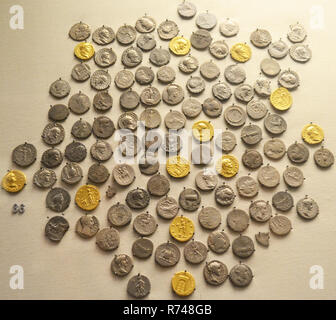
[182, 229]
[177, 166]
[203, 130]
[281, 99]
[227, 166]
[183, 283]
[87, 197]
[312, 133]
[84, 51]
[14, 181]
[241, 52]
[179, 45]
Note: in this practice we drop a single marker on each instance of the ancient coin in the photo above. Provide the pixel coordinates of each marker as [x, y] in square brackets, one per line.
[101, 150]
[244, 92]
[146, 42]
[247, 187]
[58, 112]
[100, 80]
[152, 140]
[173, 94]
[280, 225]
[201, 154]
[261, 38]
[270, 67]
[44, 178]
[159, 57]
[191, 108]
[221, 91]
[243, 247]
[148, 164]
[144, 224]
[119, 215]
[158, 185]
[128, 120]
[105, 57]
[241, 52]
[167, 207]
[13, 181]
[59, 88]
[297, 33]
[71, 173]
[227, 166]
[102, 101]
[129, 145]
[166, 74]
[126, 34]
[282, 201]
[218, 241]
[274, 149]
[167, 254]
[137, 198]
[226, 141]
[111, 191]
[150, 96]
[144, 75]
[263, 238]
[298, 153]
[124, 79]
[212, 107]
[293, 177]
[56, 228]
[195, 252]
[108, 239]
[80, 31]
[278, 49]
[142, 248]
[234, 74]
[75, 151]
[81, 72]
[167, 30]
[229, 28]
[215, 272]
[87, 197]
[262, 87]
[103, 127]
[124, 174]
[84, 51]
[138, 286]
[188, 283]
[237, 220]
[235, 116]
[186, 9]
[201, 39]
[219, 49]
[87, 226]
[252, 159]
[188, 64]
[241, 275]
[145, 24]
[150, 118]
[260, 210]
[268, 176]
[209, 218]
[324, 158]
[209, 70]
[103, 35]
[289, 79]
[131, 57]
[79, 103]
[195, 85]
[181, 229]
[300, 52]
[190, 199]
[275, 124]
[24, 154]
[180, 46]
[206, 181]
[52, 158]
[251, 134]
[307, 208]
[175, 120]
[81, 129]
[206, 21]
[177, 166]
[98, 173]
[129, 99]
[312, 134]
[224, 195]
[121, 265]
[256, 109]
[58, 199]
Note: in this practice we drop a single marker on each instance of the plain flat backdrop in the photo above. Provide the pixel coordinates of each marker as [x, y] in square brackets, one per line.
[33, 58]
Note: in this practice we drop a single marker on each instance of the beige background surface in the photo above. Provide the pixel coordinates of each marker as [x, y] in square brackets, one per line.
[75, 269]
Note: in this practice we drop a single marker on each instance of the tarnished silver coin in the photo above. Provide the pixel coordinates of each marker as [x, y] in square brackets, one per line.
[229, 28]
[145, 24]
[123, 174]
[206, 21]
[278, 49]
[59, 88]
[75, 151]
[146, 42]
[195, 85]
[256, 109]
[103, 127]
[24, 154]
[80, 31]
[159, 57]
[209, 70]
[268, 176]
[148, 164]
[219, 49]
[261, 38]
[195, 252]
[218, 242]
[98, 173]
[71, 173]
[158, 185]
[297, 33]
[142, 248]
[251, 134]
[58, 112]
[126, 34]
[44, 178]
[307, 208]
[200, 39]
[121, 265]
[274, 149]
[175, 120]
[103, 35]
[235, 116]
[260, 210]
[324, 158]
[201, 154]
[224, 195]
[186, 9]
[247, 187]
[167, 254]
[167, 30]
[150, 118]
[105, 57]
[124, 79]
[244, 92]
[270, 67]
[237, 220]
[191, 108]
[243, 247]
[79, 103]
[129, 145]
[119, 215]
[108, 239]
[150, 96]
[212, 107]
[166, 74]
[293, 176]
[145, 224]
[221, 91]
[241, 275]
[252, 159]
[263, 238]
[189, 199]
[144, 75]
[58, 199]
[275, 124]
[129, 99]
[81, 129]
[298, 153]
[152, 140]
[81, 72]
[280, 225]
[56, 228]
[282, 201]
[51, 158]
[138, 286]
[128, 120]
[100, 80]
[102, 101]
[87, 226]
[205, 180]
[101, 150]
[289, 79]
[215, 272]
[137, 198]
[188, 64]
[235, 74]
[131, 57]
[262, 87]
[300, 52]
[209, 218]
[167, 207]
[173, 94]
[172, 143]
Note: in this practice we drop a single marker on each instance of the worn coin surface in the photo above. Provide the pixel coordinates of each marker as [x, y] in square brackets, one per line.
[144, 75]
[191, 108]
[98, 173]
[150, 118]
[215, 272]
[59, 88]
[138, 286]
[206, 180]
[58, 199]
[71, 173]
[126, 34]
[167, 30]
[263, 238]
[167, 254]
[241, 275]
[256, 109]
[24, 154]
[124, 174]
[251, 134]
[297, 33]
[129, 99]
[206, 21]
[80, 31]
[81, 72]
[128, 120]
[262, 87]
[227, 166]
[280, 225]
[261, 38]
[298, 153]
[289, 79]
[312, 134]
[224, 195]
[200, 39]
[137, 198]
[145, 224]
[52, 158]
[218, 241]
[209, 218]
[195, 85]
[175, 120]
[283, 201]
[121, 265]
[158, 185]
[235, 116]
[149, 164]
[212, 107]
[145, 24]
[129, 145]
[241, 52]
[87, 226]
[307, 208]
[108, 239]
[219, 49]
[75, 151]
[103, 35]
[119, 215]
[167, 207]
[152, 140]
[195, 252]
[102, 101]
[237, 220]
[105, 57]
[247, 187]
[188, 64]
[181, 228]
[188, 283]
[221, 91]
[234, 74]
[131, 57]
[190, 199]
[146, 42]
[56, 228]
[293, 176]
[186, 9]
[270, 67]
[244, 92]
[150, 96]
[278, 49]
[260, 210]
[324, 158]
[209, 70]
[243, 247]
[44, 178]
[226, 141]
[101, 150]
[166, 74]
[173, 94]
[79, 103]
[252, 159]
[103, 127]
[87, 197]
[300, 52]
[281, 99]
[58, 112]
[159, 57]
[275, 124]
[100, 80]
[177, 166]
[142, 248]
[13, 181]
[229, 27]
[84, 51]
[81, 129]
[274, 149]
[268, 176]
[124, 79]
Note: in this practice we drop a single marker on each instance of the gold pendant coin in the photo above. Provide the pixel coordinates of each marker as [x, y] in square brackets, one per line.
[312, 133]
[227, 166]
[281, 99]
[179, 46]
[241, 52]
[87, 197]
[203, 130]
[84, 51]
[14, 181]
[183, 283]
[177, 166]
[182, 229]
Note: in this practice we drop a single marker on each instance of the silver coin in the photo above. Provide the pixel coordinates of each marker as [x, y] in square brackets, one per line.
[201, 39]
[293, 176]
[71, 173]
[218, 241]
[142, 248]
[235, 116]
[144, 75]
[237, 220]
[263, 238]
[124, 79]
[201, 154]
[297, 33]
[145, 24]
[243, 247]
[270, 67]
[268, 176]
[146, 42]
[175, 120]
[300, 52]
[262, 87]
[103, 35]
[51, 158]
[226, 141]
[137, 198]
[100, 80]
[148, 164]
[189, 199]
[298, 153]
[261, 38]
[103, 127]
[167, 254]
[188, 64]
[224, 195]
[235, 74]
[282, 201]
[75, 151]
[58, 112]
[241, 275]
[167, 30]
[209, 70]
[58, 199]
[81, 129]
[212, 107]
[79, 103]
[289, 79]
[102, 101]
[209, 218]
[119, 215]
[186, 9]
[195, 252]
[256, 109]
[87, 226]
[44, 178]
[307, 208]
[129, 145]
[280, 225]
[138, 286]
[206, 181]
[275, 124]
[167, 207]
[24, 154]
[128, 120]
[206, 21]
[173, 94]
[98, 173]
[101, 150]
[150, 96]
[105, 57]
[81, 72]
[108, 239]
[219, 49]
[229, 28]
[123, 174]
[121, 265]
[159, 57]
[251, 134]
[244, 92]
[195, 85]
[221, 91]
[59, 88]
[129, 99]
[260, 210]
[152, 140]
[278, 49]
[247, 187]
[150, 118]
[324, 158]
[274, 149]
[215, 272]
[80, 31]
[158, 185]
[56, 228]
[145, 224]
[191, 108]
[126, 34]
[166, 74]
[172, 143]
[131, 57]
[252, 159]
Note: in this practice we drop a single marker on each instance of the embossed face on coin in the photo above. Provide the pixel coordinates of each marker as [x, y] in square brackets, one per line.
[237, 220]
[108, 239]
[247, 187]
[146, 42]
[105, 57]
[298, 153]
[145, 24]
[58, 199]
[189, 64]
[126, 34]
[268, 176]
[137, 198]
[58, 112]
[121, 265]
[241, 275]
[119, 215]
[167, 30]
[219, 49]
[209, 218]
[215, 272]
[300, 52]
[229, 28]
[59, 89]
[307, 208]
[186, 9]
[81, 129]
[103, 127]
[124, 79]
[158, 185]
[235, 74]
[278, 49]
[324, 158]
[75, 152]
[221, 91]
[131, 57]
[297, 33]
[218, 241]
[80, 31]
[260, 210]
[98, 173]
[206, 21]
[252, 159]
[145, 224]
[224, 195]
[87, 226]
[173, 94]
[103, 35]
[56, 228]
[206, 181]
[243, 247]
[195, 85]
[144, 75]
[52, 158]
[100, 80]
[101, 150]
[289, 79]
[44, 178]
[159, 57]
[261, 38]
